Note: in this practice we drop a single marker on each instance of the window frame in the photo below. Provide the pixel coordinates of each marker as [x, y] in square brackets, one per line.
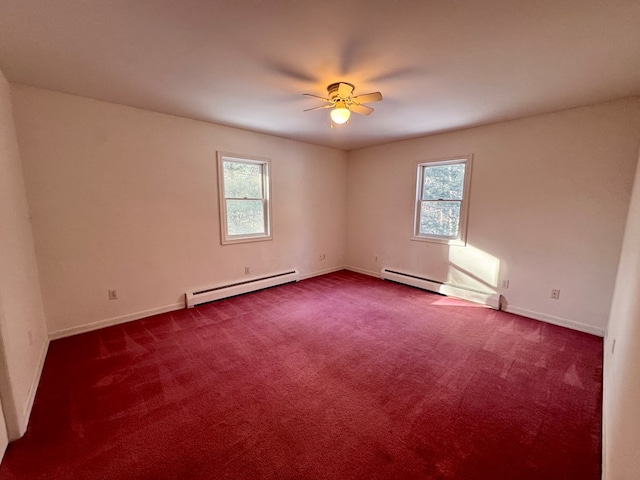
[461, 238]
[225, 237]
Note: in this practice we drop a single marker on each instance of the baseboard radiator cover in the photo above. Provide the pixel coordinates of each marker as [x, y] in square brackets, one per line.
[490, 299]
[218, 292]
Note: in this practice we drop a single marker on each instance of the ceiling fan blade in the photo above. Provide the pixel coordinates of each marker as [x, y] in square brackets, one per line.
[316, 108]
[316, 96]
[368, 97]
[361, 109]
[344, 90]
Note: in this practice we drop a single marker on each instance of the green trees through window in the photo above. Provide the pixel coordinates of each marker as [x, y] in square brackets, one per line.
[244, 187]
[244, 197]
[441, 202]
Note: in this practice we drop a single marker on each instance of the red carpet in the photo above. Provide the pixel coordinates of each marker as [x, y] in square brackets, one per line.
[336, 377]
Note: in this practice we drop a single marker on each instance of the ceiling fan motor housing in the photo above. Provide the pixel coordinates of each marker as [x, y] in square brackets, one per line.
[333, 90]
[340, 99]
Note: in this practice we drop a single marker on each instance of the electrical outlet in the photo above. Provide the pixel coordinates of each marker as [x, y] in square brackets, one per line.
[113, 294]
[555, 293]
[505, 284]
[30, 335]
[613, 346]
[247, 270]
[322, 256]
[376, 258]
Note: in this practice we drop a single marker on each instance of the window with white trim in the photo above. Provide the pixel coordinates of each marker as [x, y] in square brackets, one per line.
[442, 201]
[245, 210]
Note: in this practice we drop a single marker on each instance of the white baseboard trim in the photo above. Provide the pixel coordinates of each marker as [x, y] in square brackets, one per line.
[321, 272]
[67, 332]
[562, 322]
[605, 408]
[363, 271]
[26, 412]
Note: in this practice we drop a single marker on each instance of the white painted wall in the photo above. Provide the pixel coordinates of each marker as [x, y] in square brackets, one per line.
[23, 335]
[621, 405]
[549, 199]
[127, 199]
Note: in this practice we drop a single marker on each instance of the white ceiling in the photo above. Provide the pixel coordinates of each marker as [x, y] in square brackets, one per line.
[440, 64]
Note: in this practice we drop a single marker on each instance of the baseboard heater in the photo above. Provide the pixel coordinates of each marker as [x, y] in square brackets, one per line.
[219, 292]
[490, 299]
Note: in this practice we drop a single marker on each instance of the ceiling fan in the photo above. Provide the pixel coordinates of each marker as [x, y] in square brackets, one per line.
[342, 103]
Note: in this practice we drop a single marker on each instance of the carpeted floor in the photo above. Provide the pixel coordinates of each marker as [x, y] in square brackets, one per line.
[341, 376]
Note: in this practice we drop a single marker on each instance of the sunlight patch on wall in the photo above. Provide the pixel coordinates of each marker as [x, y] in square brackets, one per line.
[473, 268]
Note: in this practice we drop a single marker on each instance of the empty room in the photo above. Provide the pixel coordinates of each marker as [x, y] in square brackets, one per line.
[319, 240]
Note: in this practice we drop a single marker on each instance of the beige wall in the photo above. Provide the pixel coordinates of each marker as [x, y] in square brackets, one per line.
[22, 325]
[549, 198]
[621, 406]
[126, 199]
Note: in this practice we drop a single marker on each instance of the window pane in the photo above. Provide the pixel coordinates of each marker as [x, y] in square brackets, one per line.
[242, 180]
[444, 182]
[439, 218]
[245, 217]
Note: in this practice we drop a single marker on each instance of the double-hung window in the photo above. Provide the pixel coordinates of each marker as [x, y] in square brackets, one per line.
[245, 211]
[442, 201]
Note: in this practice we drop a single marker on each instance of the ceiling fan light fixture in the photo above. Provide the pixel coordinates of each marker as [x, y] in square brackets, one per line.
[341, 102]
[340, 114]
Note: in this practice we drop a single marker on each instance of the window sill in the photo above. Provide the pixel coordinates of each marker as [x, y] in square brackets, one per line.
[247, 239]
[453, 242]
